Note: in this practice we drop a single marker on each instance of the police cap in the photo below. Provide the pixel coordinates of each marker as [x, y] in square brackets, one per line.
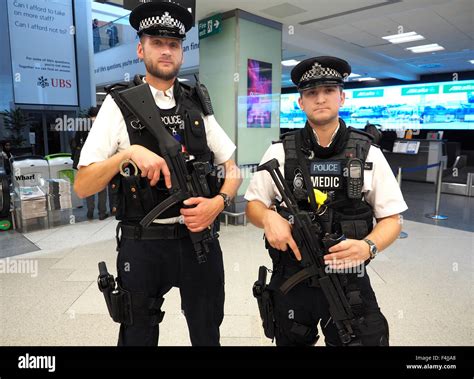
[161, 18]
[320, 71]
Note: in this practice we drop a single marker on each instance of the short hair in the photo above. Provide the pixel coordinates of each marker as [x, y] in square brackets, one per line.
[341, 88]
[93, 111]
[142, 36]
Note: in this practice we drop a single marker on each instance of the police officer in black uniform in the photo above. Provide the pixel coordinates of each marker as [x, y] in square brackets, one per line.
[328, 160]
[151, 260]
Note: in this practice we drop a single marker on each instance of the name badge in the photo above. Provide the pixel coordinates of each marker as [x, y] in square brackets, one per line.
[327, 182]
[325, 168]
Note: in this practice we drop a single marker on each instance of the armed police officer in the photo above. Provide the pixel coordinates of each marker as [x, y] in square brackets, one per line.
[342, 182]
[123, 148]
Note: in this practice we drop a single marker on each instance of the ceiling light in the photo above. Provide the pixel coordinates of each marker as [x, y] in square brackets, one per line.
[471, 61]
[290, 62]
[101, 93]
[366, 79]
[183, 80]
[425, 48]
[404, 37]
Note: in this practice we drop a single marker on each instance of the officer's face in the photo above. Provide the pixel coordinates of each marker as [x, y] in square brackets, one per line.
[321, 104]
[162, 56]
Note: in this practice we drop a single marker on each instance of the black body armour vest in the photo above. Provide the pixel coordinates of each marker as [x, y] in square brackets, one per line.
[132, 197]
[308, 166]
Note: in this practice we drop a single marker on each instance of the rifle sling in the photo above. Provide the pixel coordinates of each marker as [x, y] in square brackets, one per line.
[297, 278]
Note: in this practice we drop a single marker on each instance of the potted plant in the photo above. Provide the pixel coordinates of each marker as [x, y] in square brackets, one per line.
[16, 121]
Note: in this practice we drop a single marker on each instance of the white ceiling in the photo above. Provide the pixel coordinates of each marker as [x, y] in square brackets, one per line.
[353, 30]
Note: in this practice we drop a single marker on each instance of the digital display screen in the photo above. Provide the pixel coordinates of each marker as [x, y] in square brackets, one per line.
[443, 105]
[355, 172]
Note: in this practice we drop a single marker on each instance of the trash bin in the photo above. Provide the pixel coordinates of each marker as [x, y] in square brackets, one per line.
[28, 170]
[29, 174]
[60, 167]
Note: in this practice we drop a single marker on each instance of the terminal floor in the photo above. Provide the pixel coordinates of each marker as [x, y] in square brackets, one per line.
[421, 200]
[424, 283]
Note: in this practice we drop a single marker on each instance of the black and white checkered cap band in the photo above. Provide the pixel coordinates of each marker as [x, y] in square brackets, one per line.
[318, 72]
[166, 20]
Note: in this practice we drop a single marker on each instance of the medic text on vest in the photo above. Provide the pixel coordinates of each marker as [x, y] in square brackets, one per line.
[326, 182]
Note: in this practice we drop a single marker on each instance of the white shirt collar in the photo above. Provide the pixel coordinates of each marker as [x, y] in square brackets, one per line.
[162, 96]
[332, 137]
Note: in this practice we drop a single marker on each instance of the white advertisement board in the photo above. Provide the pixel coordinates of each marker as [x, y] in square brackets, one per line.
[43, 52]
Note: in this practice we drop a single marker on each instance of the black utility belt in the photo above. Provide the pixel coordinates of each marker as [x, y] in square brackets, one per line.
[153, 232]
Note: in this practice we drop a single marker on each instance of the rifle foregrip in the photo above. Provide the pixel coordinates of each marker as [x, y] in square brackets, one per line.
[262, 275]
[103, 269]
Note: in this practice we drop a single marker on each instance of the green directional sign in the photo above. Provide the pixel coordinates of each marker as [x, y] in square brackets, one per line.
[453, 88]
[210, 26]
[368, 93]
[422, 90]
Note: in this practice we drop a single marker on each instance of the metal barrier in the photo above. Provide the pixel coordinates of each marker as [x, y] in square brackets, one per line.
[235, 215]
[470, 183]
[436, 215]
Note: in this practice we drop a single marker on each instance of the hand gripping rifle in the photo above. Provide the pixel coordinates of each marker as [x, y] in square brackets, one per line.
[184, 184]
[313, 248]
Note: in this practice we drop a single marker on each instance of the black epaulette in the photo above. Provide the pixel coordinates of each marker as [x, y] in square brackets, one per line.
[116, 86]
[137, 80]
[285, 135]
[351, 129]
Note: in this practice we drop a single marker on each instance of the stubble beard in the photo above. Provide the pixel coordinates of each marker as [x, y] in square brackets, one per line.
[153, 69]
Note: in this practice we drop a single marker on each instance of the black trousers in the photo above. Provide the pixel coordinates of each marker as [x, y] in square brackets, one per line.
[298, 313]
[150, 268]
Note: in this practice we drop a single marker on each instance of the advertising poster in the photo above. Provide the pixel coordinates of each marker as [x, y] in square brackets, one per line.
[259, 94]
[43, 73]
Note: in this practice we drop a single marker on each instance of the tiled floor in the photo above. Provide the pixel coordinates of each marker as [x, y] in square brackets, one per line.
[421, 199]
[13, 243]
[424, 283]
